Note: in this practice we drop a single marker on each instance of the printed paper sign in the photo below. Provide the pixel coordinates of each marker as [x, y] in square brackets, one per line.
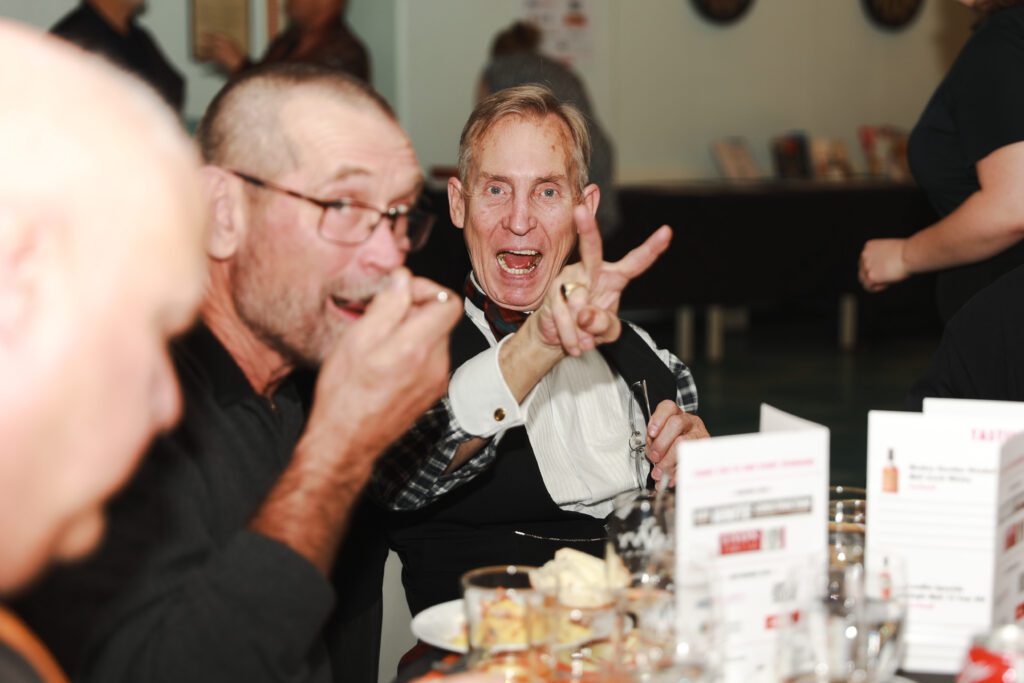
[933, 497]
[755, 506]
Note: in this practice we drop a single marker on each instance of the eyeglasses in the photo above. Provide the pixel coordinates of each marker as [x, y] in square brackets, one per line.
[350, 222]
[639, 416]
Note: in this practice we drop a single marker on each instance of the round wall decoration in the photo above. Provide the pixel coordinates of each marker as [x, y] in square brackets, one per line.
[722, 11]
[892, 13]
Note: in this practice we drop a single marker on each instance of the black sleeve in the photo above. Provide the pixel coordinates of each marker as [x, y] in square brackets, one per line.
[987, 86]
[981, 354]
[947, 376]
[166, 602]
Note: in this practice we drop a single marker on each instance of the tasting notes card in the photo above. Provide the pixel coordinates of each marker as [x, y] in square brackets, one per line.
[752, 507]
[946, 491]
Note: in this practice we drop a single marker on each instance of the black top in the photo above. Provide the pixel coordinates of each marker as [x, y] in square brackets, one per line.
[334, 46]
[180, 589]
[982, 351]
[135, 52]
[978, 108]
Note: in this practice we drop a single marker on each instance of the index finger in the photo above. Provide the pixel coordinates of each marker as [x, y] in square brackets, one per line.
[591, 249]
[641, 258]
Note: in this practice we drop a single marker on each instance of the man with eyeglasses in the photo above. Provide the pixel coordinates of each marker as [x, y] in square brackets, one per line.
[541, 395]
[228, 558]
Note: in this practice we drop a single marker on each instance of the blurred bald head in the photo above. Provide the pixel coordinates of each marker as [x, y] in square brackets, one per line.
[101, 227]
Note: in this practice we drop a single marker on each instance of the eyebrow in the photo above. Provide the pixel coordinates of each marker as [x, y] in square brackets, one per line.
[556, 178]
[345, 172]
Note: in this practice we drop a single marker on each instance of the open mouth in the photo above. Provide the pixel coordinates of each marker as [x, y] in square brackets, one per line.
[519, 261]
[354, 307]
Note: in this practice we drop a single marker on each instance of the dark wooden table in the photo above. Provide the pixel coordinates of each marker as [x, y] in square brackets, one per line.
[741, 244]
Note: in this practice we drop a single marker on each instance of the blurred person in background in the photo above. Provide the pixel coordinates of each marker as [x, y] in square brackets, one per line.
[516, 60]
[108, 27]
[100, 262]
[317, 33]
[967, 152]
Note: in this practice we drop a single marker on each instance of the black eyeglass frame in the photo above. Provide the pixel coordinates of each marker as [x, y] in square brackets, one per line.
[392, 213]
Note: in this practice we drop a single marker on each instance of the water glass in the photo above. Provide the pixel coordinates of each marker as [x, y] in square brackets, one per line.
[846, 623]
[847, 519]
[641, 529]
[508, 622]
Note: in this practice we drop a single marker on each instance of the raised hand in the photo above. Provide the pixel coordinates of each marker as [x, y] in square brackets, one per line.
[384, 371]
[589, 314]
[388, 367]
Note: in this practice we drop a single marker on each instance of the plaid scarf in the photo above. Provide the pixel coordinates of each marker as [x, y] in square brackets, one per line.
[503, 322]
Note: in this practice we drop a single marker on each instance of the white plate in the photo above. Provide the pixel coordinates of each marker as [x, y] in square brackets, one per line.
[443, 626]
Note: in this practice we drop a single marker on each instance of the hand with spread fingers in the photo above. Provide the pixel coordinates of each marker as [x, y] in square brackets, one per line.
[581, 308]
[669, 426]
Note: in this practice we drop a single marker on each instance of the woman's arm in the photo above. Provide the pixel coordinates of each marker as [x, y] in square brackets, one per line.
[990, 221]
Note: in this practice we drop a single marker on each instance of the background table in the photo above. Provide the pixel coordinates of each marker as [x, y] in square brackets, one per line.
[743, 244]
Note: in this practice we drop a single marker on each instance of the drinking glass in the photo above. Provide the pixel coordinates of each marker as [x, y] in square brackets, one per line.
[640, 530]
[508, 622]
[668, 623]
[846, 623]
[847, 517]
[583, 646]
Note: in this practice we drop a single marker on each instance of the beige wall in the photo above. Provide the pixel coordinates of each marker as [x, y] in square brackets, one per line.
[665, 82]
[679, 82]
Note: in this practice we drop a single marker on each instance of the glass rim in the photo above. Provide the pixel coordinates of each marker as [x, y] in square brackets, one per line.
[516, 570]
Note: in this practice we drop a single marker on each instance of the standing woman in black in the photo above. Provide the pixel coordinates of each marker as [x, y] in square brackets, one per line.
[967, 152]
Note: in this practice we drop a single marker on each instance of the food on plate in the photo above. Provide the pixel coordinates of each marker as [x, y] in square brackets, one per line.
[583, 581]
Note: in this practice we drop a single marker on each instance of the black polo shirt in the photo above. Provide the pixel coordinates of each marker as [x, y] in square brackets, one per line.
[181, 590]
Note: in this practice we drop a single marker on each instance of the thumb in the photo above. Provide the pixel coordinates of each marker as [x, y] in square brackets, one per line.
[391, 304]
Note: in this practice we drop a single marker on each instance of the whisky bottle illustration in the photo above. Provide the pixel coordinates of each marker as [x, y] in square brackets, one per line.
[890, 476]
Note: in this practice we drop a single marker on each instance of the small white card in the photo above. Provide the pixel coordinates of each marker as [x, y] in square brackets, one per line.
[754, 507]
[934, 485]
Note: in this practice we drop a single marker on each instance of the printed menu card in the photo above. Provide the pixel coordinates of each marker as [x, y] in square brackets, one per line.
[753, 506]
[946, 492]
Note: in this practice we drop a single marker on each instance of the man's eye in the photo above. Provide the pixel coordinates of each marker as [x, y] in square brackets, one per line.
[493, 189]
[549, 192]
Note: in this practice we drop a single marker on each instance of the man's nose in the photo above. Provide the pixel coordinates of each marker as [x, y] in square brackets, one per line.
[382, 251]
[520, 219]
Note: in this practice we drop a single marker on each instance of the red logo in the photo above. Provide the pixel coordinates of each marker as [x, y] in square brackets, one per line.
[739, 542]
[984, 666]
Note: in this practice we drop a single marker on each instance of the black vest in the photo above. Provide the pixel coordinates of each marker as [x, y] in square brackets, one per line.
[506, 515]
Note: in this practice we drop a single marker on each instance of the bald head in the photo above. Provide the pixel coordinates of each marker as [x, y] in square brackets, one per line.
[244, 129]
[101, 226]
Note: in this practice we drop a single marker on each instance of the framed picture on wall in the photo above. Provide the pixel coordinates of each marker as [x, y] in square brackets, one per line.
[226, 17]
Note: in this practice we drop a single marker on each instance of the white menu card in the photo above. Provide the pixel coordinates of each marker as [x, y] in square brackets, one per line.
[753, 506]
[940, 490]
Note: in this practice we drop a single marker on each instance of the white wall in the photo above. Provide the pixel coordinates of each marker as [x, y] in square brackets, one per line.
[665, 85]
[680, 82]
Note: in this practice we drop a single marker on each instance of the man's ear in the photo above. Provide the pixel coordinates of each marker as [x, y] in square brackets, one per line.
[227, 212]
[591, 198]
[28, 256]
[456, 203]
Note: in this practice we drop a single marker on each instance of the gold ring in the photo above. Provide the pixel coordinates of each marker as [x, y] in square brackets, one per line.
[569, 287]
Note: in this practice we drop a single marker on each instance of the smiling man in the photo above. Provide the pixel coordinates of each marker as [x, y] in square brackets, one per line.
[226, 559]
[541, 398]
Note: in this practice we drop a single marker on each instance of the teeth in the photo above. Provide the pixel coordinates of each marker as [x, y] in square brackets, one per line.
[518, 252]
